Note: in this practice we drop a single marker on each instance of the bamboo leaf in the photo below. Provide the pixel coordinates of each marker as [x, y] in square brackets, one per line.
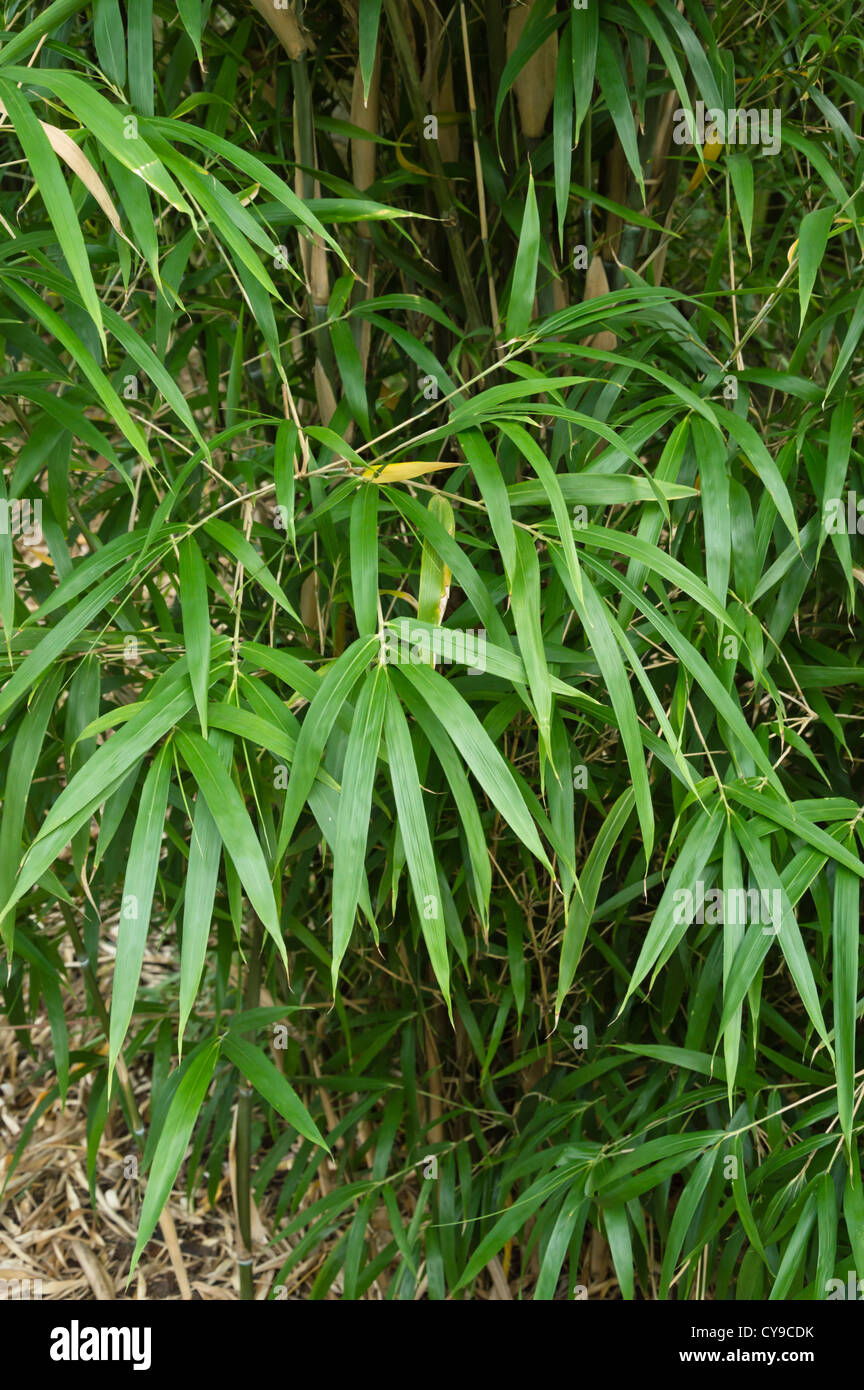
[173, 1141]
[196, 623]
[238, 836]
[272, 1085]
[137, 899]
[352, 825]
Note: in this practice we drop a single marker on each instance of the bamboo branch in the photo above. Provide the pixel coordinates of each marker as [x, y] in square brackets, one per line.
[287, 28]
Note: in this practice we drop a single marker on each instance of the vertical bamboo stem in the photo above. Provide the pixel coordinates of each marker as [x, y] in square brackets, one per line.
[478, 172]
[364, 114]
[440, 186]
[312, 252]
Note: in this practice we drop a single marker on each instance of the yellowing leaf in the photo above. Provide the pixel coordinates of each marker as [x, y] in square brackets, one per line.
[408, 468]
[711, 151]
[406, 163]
[434, 574]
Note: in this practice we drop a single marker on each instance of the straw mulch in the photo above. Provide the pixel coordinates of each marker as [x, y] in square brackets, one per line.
[49, 1229]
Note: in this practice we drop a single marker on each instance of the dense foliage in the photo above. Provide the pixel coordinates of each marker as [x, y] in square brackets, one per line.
[300, 389]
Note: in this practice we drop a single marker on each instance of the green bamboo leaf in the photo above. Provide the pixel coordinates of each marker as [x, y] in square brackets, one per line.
[733, 935]
[238, 836]
[812, 240]
[99, 777]
[282, 664]
[272, 1085]
[168, 700]
[585, 33]
[742, 1199]
[526, 603]
[332, 694]
[853, 1209]
[617, 1225]
[711, 451]
[355, 801]
[416, 841]
[568, 1223]
[741, 170]
[255, 728]
[213, 144]
[562, 127]
[114, 810]
[506, 1227]
[751, 444]
[22, 765]
[836, 469]
[525, 270]
[582, 906]
[109, 39]
[457, 561]
[457, 780]
[196, 623]
[192, 18]
[141, 353]
[353, 377]
[827, 1217]
[496, 661]
[494, 492]
[846, 925]
[228, 538]
[788, 934]
[364, 559]
[696, 664]
[50, 19]
[794, 817]
[137, 901]
[552, 487]
[7, 568]
[616, 96]
[173, 1141]
[478, 750]
[50, 985]
[369, 20]
[685, 1210]
[669, 921]
[283, 475]
[139, 24]
[793, 1256]
[850, 343]
[205, 848]
[600, 630]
